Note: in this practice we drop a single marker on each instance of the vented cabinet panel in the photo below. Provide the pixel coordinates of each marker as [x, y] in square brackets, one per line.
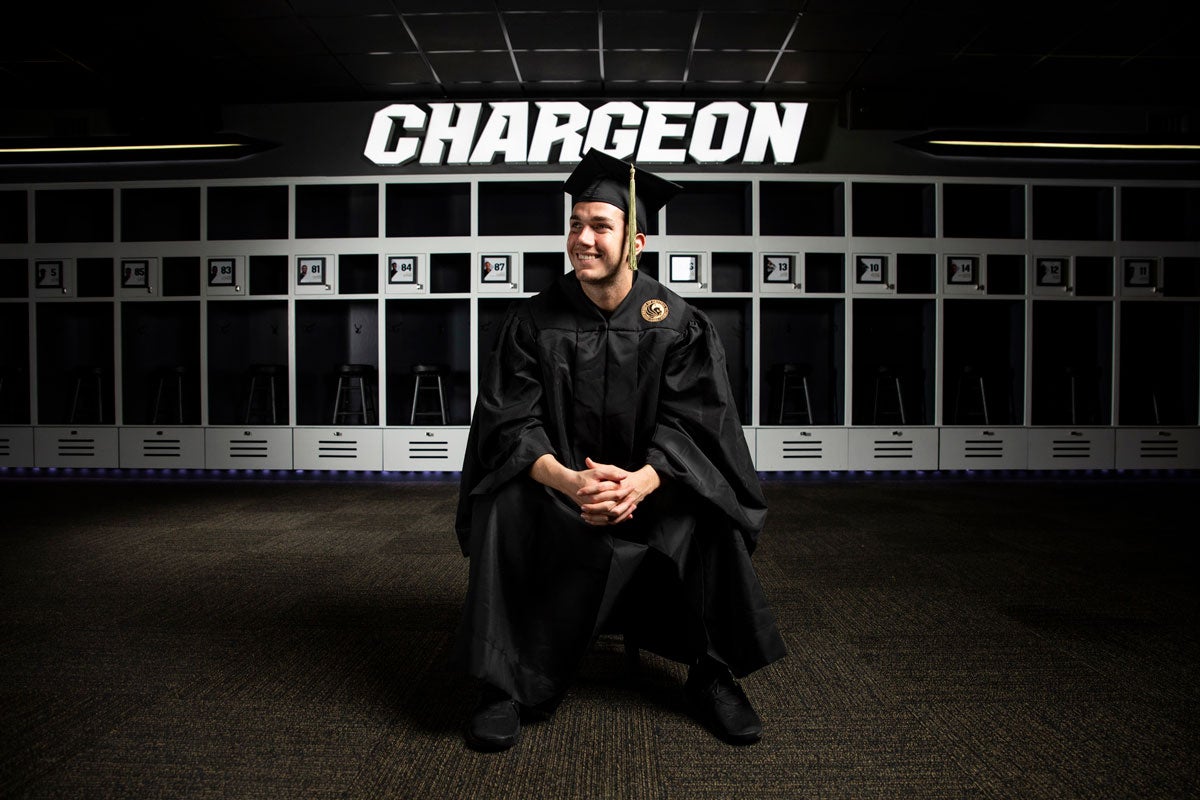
[16, 447]
[345, 448]
[92, 448]
[1071, 448]
[162, 448]
[248, 448]
[437, 449]
[1158, 448]
[894, 448]
[801, 449]
[983, 448]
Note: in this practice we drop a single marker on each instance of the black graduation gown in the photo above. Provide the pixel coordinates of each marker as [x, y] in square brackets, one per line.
[676, 578]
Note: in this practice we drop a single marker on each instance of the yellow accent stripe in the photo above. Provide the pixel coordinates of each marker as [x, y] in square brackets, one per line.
[115, 148]
[1066, 145]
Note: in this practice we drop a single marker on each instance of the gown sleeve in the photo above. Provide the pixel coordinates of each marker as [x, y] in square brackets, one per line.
[698, 441]
[507, 429]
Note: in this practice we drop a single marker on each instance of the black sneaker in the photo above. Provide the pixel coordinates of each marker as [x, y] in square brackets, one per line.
[717, 701]
[495, 723]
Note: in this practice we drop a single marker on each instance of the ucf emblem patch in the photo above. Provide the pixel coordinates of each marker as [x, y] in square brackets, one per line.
[654, 311]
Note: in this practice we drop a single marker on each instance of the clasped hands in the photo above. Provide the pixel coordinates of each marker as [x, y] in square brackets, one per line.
[605, 494]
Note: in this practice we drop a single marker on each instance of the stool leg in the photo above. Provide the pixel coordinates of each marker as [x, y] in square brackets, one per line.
[274, 420]
[337, 402]
[412, 417]
[783, 387]
[1154, 406]
[1074, 413]
[987, 419]
[75, 400]
[157, 399]
[900, 402]
[807, 402]
[441, 399]
[179, 395]
[362, 401]
[250, 400]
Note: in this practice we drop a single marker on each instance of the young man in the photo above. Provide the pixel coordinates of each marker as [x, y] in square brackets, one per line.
[607, 484]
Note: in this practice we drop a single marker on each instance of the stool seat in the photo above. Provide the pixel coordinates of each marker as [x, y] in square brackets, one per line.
[428, 380]
[351, 377]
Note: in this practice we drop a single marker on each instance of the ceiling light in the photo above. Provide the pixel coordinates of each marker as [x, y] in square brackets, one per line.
[127, 149]
[1057, 146]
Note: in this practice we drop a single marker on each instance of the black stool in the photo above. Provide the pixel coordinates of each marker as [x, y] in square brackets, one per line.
[1082, 378]
[168, 378]
[267, 373]
[86, 378]
[351, 376]
[9, 373]
[428, 378]
[887, 380]
[970, 382]
[793, 381]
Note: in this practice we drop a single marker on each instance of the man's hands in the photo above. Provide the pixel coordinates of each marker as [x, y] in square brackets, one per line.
[606, 495]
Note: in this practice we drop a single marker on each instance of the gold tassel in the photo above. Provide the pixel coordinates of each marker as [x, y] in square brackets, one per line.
[631, 219]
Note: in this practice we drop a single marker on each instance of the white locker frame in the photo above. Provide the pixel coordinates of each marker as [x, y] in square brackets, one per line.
[1112, 446]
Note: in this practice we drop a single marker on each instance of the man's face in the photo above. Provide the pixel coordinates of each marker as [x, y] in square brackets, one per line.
[596, 242]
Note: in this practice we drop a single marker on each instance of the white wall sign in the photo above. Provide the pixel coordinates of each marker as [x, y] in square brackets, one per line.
[651, 132]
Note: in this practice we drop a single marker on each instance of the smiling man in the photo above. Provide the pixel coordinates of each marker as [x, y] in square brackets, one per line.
[607, 485]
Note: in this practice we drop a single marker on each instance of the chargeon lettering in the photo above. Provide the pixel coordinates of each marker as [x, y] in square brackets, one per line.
[668, 132]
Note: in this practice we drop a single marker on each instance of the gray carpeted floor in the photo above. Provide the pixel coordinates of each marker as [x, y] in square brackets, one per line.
[950, 638]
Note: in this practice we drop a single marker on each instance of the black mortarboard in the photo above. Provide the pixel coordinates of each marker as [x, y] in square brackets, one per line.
[600, 177]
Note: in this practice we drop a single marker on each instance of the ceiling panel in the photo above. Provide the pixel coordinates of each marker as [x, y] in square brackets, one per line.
[340, 8]
[759, 30]
[838, 32]
[473, 67]
[817, 67]
[376, 34]
[457, 32]
[917, 33]
[730, 66]
[282, 36]
[553, 31]
[648, 30]
[1121, 53]
[540, 66]
[384, 69]
[639, 66]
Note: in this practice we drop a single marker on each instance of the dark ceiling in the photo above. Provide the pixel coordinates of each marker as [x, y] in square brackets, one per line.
[899, 64]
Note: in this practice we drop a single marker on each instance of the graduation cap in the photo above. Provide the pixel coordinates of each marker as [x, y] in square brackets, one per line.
[602, 178]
